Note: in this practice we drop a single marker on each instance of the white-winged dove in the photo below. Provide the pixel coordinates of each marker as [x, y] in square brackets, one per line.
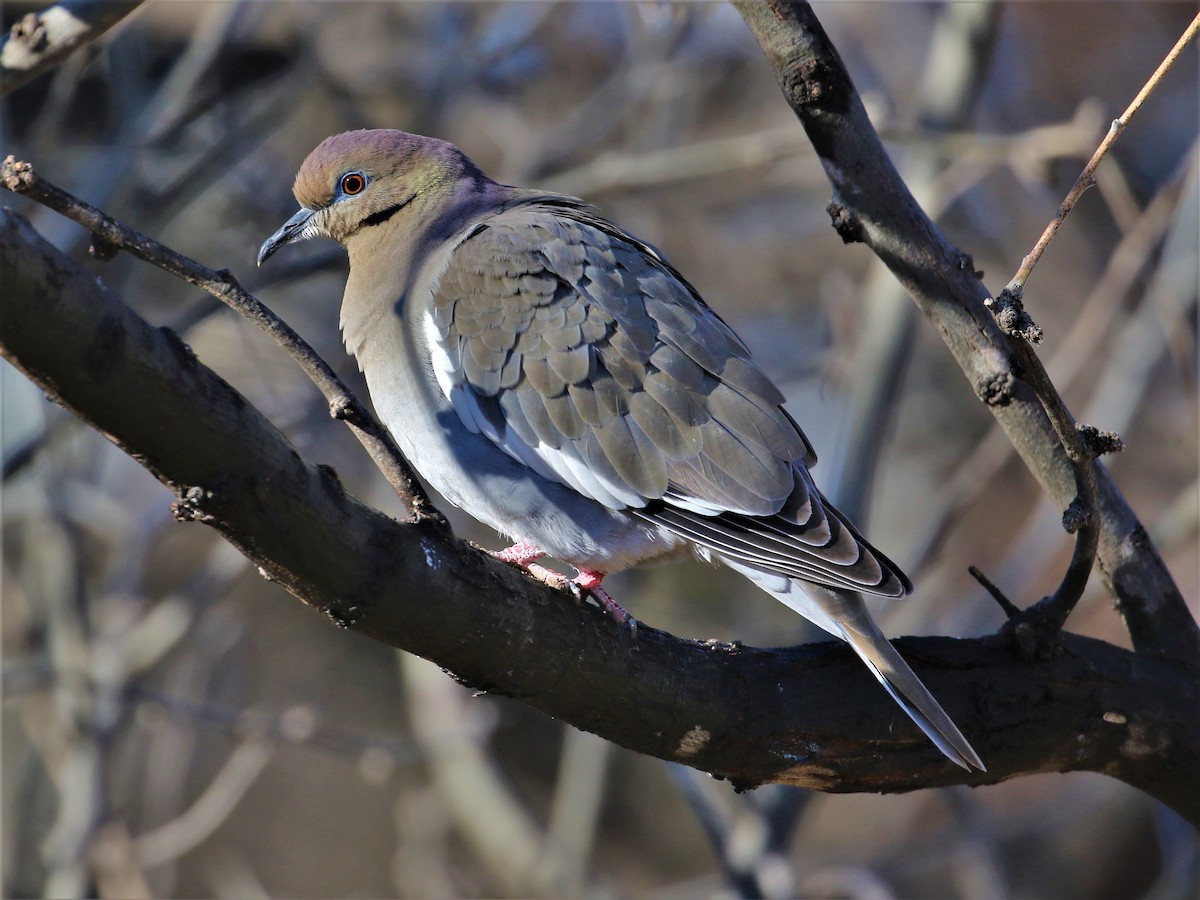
[554, 377]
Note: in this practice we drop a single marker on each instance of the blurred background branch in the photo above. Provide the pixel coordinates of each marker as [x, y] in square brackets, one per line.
[39, 41]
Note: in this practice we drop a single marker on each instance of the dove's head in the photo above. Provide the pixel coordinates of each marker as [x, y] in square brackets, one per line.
[361, 179]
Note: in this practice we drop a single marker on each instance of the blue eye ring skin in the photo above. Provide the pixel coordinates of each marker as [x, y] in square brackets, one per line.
[352, 183]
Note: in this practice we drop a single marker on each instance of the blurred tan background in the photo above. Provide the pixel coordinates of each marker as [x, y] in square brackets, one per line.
[176, 726]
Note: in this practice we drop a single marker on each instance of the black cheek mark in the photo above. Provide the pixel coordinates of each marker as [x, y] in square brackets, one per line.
[384, 214]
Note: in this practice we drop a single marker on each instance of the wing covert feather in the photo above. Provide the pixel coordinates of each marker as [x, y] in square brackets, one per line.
[581, 353]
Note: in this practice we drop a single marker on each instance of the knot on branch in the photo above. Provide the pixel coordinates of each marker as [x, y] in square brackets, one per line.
[346, 409]
[966, 263]
[1011, 316]
[810, 82]
[1031, 633]
[331, 477]
[17, 175]
[331, 482]
[1076, 516]
[344, 614]
[227, 277]
[1099, 442]
[190, 506]
[30, 34]
[1031, 636]
[845, 223]
[996, 389]
[102, 249]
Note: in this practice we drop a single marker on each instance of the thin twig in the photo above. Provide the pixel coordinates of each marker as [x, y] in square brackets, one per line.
[1011, 610]
[108, 233]
[1087, 177]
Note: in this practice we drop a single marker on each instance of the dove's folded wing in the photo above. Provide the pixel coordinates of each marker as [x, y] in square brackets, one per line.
[585, 356]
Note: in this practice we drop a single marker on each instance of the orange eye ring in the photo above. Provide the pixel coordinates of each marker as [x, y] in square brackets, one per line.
[353, 183]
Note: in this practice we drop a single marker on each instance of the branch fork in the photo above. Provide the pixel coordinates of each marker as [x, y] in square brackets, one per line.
[1081, 443]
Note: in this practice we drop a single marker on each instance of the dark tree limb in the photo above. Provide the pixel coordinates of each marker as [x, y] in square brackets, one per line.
[871, 204]
[809, 716]
[39, 41]
[1081, 517]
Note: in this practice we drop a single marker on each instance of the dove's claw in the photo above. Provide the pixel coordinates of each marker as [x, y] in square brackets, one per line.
[589, 581]
[525, 555]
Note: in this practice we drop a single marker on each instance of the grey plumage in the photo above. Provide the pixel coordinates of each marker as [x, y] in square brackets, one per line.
[556, 378]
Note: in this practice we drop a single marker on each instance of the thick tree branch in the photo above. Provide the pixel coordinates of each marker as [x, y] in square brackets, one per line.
[871, 204]
[808, 716]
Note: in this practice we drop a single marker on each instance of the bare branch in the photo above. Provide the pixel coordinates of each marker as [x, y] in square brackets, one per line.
[41, 40]
[1082, 516]
[175, 838]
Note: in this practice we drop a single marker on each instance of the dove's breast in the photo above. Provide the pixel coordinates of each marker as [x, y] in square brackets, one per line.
[393, 341]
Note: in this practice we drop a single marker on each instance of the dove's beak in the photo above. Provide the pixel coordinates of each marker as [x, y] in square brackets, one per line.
[297, 228]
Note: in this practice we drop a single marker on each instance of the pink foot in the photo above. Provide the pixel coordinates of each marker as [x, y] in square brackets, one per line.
[590, 581]
[520, 554]
[525, 555]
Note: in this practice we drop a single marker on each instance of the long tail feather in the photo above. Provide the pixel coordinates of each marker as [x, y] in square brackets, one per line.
[844, 615]
[887, 665]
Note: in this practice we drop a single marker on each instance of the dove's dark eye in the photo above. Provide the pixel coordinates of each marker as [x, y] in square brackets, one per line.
[353, 183]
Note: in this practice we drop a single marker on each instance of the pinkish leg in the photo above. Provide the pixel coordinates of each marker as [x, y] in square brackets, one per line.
[520, 554]
[590, 582]
[525, 555]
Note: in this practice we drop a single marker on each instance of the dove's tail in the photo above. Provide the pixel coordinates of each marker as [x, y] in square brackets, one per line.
[844, 615]
[906, 689]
